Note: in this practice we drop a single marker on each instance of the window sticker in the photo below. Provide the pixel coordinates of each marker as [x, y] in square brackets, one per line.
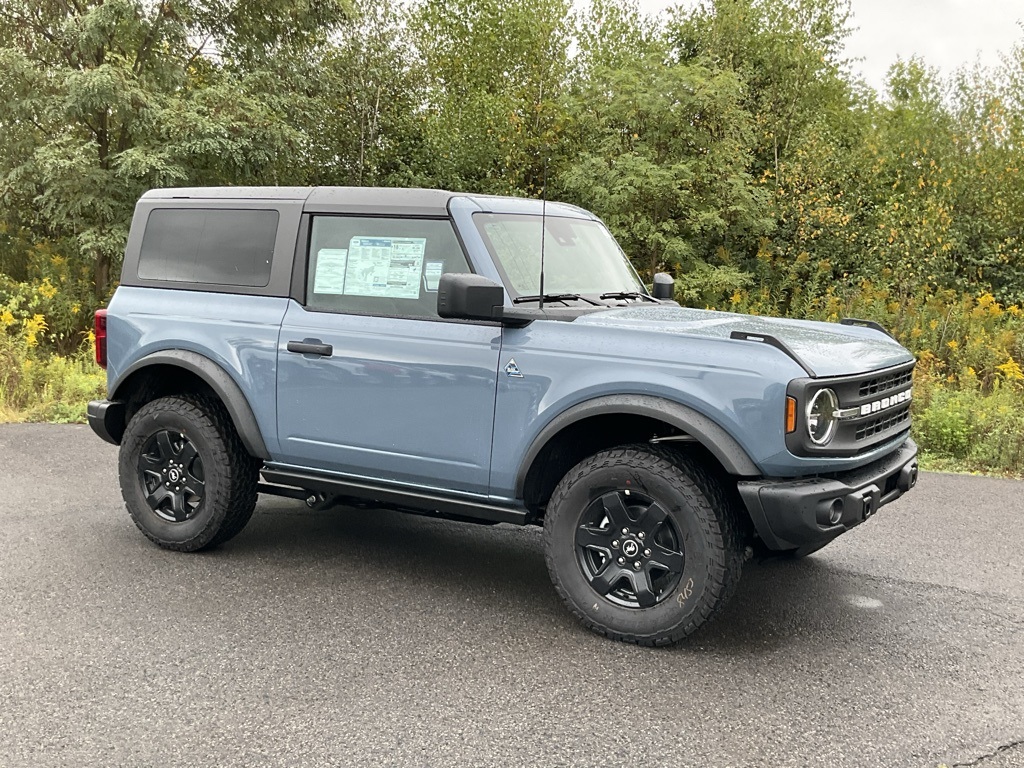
[330, 271]
[385, 266]
[432, 274]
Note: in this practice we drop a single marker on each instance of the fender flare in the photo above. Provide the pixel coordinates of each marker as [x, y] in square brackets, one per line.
[708, 433]
[219, 380]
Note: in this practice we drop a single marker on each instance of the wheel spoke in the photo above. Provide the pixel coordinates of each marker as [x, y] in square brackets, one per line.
[593, 537]
[156, 498]
[194, 486]
[652, 518]
[163, 439]
[641, 581]
[188, 453]
[667, 559]
[615, 509]
[151, 463]
[178, 506]
[606, 578]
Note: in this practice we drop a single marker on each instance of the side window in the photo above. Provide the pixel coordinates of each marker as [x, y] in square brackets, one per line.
[380, 266]
[212, 246]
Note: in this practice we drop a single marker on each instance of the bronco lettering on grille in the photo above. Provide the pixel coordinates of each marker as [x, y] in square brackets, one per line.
[886, 402]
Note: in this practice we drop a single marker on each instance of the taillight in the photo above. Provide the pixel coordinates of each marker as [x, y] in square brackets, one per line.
[100, 331]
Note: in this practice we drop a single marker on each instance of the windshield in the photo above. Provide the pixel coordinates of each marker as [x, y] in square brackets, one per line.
[580, 256]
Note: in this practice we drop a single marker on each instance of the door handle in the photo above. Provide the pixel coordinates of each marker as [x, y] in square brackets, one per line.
[311, 347]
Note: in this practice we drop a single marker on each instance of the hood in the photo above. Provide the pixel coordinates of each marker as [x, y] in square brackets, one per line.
[828, 349]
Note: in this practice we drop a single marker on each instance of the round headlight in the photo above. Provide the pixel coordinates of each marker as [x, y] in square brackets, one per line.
[821, 416]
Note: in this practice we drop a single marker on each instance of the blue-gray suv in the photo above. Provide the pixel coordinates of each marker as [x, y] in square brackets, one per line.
[486, 359]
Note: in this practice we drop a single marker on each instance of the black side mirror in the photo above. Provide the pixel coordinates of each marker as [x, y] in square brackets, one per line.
[664, 286]
[469, 297]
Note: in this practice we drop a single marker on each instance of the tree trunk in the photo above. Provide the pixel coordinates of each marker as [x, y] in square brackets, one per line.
[101, 276]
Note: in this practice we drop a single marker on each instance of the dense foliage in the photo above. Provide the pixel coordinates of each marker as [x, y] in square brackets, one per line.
[728, 144]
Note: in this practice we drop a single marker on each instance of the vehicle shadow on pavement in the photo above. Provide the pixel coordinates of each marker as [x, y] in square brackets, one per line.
[779, 602]
[782, 602]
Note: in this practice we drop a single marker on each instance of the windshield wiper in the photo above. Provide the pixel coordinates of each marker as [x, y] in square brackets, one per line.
[563, 297]
[629, 295]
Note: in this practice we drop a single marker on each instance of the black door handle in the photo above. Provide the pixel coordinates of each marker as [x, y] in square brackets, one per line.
[311, 348]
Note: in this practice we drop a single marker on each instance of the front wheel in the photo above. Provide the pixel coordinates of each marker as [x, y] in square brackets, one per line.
[642, 544]
[185, 476]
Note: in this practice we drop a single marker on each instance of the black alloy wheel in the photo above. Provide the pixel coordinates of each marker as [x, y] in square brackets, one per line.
[629, 550]
[643, 544]
[171, 471]
[186, 478]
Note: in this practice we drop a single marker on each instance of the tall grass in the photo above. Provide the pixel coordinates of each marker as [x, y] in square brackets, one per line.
[40, 386]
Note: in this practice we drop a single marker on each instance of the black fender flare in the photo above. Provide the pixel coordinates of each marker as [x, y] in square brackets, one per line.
[733, 458]
[219, 380]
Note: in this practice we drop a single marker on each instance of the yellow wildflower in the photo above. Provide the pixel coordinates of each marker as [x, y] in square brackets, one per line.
[47, 288]
[33, 327]
[1011, 370]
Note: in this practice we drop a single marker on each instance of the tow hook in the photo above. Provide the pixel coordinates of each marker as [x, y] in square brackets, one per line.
[908, 477]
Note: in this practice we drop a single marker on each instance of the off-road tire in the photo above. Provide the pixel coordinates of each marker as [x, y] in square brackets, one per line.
[695, 508]
[229, 473]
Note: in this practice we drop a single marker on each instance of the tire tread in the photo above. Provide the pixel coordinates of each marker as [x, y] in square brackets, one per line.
[227, 457]
[716, 516]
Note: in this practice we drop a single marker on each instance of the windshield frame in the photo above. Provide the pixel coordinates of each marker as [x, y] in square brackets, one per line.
[510, 287]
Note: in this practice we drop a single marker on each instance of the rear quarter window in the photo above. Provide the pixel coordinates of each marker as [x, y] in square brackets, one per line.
[211, 246]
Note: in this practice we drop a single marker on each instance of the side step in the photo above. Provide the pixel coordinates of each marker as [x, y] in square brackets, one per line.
[392, 497]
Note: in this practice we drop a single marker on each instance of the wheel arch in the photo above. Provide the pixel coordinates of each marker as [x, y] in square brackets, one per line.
[612, 420]
[175, 370]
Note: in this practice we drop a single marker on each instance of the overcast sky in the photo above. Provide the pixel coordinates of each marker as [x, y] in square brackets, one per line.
[945, 33]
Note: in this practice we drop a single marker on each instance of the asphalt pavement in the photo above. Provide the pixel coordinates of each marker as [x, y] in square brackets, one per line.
[355, 638]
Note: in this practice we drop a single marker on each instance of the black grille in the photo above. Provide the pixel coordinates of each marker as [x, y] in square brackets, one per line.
[885, 383]
[886, 390]
[883, 423]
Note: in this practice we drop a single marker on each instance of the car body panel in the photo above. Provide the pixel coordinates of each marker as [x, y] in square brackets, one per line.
[404, 399]
[829, 349]
[238, 333]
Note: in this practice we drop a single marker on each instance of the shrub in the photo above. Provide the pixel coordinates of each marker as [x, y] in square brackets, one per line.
[37, 385]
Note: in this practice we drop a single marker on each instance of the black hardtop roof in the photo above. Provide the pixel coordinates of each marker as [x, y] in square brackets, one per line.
[386, 200]
[364, 200]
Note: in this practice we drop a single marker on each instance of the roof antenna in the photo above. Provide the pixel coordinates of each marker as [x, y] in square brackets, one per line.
[543, 229]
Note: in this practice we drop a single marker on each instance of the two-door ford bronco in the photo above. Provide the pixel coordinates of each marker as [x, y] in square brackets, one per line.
[486, 359]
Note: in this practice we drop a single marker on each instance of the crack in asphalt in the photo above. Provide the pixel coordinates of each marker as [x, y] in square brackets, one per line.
[1002, 748]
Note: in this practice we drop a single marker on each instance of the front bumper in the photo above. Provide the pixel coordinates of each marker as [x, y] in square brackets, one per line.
[789, 514]
[106, 417]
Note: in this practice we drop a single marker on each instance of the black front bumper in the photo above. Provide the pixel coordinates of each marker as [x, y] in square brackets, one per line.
[106, 417]
[789, 514]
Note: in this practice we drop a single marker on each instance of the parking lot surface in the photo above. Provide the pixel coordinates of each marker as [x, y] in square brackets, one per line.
[372, 638]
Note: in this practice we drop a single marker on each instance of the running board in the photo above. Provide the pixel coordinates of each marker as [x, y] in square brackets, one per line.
[392, 496]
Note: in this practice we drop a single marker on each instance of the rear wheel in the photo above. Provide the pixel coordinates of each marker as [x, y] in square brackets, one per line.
[642, 544]
[186, 479]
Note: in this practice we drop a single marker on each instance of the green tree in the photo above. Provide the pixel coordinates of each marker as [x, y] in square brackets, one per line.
[105, 98]
[365, 122]
[664, 160]
[496, 70]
